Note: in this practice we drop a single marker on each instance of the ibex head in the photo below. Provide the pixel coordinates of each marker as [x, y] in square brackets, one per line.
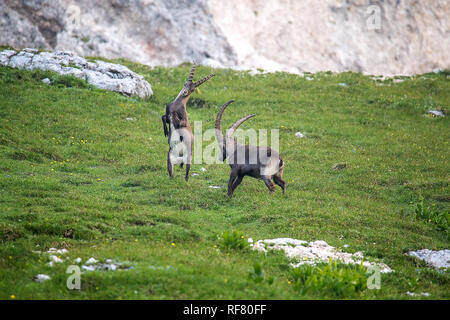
[190, 86]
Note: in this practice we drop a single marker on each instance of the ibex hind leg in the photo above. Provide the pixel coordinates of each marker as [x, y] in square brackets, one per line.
[188, 165]
[269, 183]
[169, 165]
[280, 182]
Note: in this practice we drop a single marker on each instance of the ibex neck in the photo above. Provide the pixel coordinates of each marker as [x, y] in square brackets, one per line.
[182, 100]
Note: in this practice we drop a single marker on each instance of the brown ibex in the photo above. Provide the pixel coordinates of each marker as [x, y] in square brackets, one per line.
[248, 160]
[180, 133]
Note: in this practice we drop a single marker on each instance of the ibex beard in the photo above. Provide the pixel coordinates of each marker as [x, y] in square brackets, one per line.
[180, 137]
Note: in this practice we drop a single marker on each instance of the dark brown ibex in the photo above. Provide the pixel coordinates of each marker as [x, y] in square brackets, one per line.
[180, 134]
[248, 160]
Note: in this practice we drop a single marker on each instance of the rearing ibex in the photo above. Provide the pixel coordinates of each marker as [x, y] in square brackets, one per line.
[180, 133]
[248, 160]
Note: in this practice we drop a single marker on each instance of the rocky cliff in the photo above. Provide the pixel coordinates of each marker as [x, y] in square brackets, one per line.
[377, 37]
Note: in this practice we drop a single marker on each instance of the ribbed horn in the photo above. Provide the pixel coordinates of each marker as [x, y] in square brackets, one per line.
[198, 83]
[191, 75]
[237, 124]
[219, 134]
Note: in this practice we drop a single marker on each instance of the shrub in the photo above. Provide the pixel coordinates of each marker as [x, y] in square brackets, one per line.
[332, 280]
[431, 214]
[234, 240]
[257, 275]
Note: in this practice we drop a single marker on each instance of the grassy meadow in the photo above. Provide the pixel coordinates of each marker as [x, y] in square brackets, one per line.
[76, 174]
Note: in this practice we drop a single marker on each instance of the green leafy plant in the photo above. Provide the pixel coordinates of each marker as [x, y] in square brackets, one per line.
[431, 214]
[234, 240]
[333, 279]
[257, 274]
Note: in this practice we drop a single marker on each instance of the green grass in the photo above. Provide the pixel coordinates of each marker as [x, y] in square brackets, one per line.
[75, 174]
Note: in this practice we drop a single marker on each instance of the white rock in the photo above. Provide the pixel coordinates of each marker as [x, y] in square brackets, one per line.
[413, 294]
[104, 75]
[91, 261]
[436, 113]
[109, 267]
[88, 268]
[194, 174]
[41, 278]
[215, 187]
[46, 81]
[313, 252]
[299, 135]
[77, 260]
[55, 259]
[203, 170]
[436, 259]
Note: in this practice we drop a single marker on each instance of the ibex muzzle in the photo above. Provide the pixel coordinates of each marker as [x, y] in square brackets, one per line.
[248, 160]
[177, 127]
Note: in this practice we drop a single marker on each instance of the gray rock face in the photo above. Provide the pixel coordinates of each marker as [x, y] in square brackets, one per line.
[376, 37]
[108, 76]
[436, 259]
[155, 32]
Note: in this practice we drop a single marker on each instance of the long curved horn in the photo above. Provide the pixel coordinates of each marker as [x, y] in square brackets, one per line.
[237, 124]
[191, 75]
[219, 135]
[199, 82]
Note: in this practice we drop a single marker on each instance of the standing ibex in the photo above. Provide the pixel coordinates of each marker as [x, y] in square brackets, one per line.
[180, 134]
[248, 160]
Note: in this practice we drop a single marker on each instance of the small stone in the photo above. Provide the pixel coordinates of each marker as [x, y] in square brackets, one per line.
[88, 268]
[436, 113]
[46, 81]
[41, 278]
[55, 259]
[299, 135]
[339, 166]
[203, 170]
[91, 261]
[77, 260]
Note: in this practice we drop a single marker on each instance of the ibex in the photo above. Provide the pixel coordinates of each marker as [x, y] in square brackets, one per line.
[248, 160]
[180, 133]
